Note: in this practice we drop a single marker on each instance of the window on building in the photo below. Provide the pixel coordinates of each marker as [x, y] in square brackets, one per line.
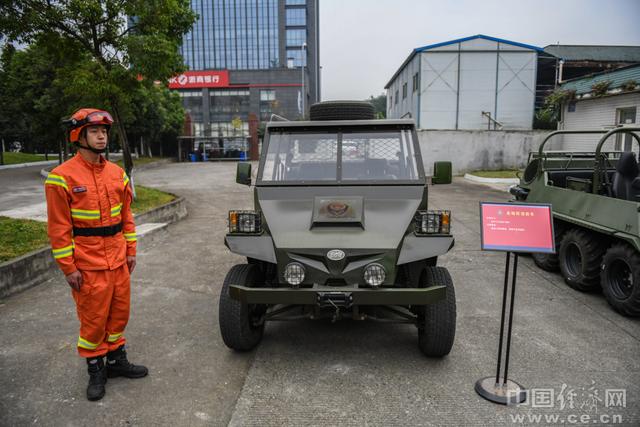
[299, 57]
[416, 82]
[296, 37]
[397, 96]
[226, 105]
[192, 103]
[233, 35]
[268, 103]
[295, 2]
[404, 90]
[296, 17]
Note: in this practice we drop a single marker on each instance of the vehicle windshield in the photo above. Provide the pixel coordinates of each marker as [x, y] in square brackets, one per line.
[364, 156]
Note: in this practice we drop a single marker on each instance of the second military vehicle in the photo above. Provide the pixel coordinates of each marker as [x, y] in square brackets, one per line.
[596, 200]
[340, 228]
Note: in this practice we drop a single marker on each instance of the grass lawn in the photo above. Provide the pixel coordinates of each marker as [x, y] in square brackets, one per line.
[495, 174]
[11, 158]
[140, 161]
[20, 236]
[149, 198]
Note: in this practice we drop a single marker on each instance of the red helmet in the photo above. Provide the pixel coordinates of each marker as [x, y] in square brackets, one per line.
[87, 117]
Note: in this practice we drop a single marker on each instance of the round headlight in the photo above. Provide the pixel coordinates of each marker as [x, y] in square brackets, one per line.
[294, 273]
[374, 275]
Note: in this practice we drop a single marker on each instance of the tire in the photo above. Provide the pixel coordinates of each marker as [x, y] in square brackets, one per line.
[240, 326]
[580, 259]
[437, 322]
[620, 279]
[551, 262]
[342, 110]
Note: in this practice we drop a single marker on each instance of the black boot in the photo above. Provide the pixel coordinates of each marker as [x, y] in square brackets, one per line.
[97, 378]
[119, 366]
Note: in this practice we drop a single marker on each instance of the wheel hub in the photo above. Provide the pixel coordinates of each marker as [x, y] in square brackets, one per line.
[573, 260]
[621, 278]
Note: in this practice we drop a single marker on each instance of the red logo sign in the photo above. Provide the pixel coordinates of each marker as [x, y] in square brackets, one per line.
[200, 79]
[516, 227]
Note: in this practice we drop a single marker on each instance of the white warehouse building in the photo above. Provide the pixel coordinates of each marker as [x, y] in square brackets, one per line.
[477, 82]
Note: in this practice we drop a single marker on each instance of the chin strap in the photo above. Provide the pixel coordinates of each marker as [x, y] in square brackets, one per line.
[95, 150]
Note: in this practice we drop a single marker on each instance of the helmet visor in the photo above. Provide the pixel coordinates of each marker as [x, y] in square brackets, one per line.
[98, 118]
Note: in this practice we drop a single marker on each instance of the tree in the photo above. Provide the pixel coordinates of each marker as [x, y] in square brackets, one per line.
[380, 105]
[118, 49]
[158, 113]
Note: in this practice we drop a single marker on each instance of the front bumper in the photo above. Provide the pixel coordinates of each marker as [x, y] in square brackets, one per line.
[327, 295]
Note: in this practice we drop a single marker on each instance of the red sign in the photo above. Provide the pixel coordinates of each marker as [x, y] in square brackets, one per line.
[514, 227]
[200, 79]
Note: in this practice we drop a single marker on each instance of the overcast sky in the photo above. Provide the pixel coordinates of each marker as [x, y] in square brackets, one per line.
[363, 42]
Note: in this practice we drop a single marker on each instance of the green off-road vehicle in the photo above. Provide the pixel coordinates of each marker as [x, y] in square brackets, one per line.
[596, 199]
[340, 229]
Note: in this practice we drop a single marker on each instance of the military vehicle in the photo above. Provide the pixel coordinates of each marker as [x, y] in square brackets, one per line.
[340, 229]
[596, 199]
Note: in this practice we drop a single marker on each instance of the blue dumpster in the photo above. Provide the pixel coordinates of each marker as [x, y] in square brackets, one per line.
[193, 157]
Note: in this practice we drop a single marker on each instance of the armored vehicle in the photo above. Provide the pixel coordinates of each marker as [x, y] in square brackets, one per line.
[596, 199]
[340, 229]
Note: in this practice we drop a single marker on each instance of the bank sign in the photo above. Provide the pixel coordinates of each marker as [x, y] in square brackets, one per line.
[199, 79]
[516, 227]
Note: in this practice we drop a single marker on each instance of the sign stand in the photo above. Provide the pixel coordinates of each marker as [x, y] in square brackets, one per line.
[512, 228]
[501, 389]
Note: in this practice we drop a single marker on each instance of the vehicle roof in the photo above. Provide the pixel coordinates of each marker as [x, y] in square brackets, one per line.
[337, 123]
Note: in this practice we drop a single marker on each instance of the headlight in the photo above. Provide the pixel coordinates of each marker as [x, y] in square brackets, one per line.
[245, 222]
[433, 222]
[294, 273]
[374, 275]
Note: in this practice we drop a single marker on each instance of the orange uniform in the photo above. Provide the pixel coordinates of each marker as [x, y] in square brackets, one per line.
[86, 198]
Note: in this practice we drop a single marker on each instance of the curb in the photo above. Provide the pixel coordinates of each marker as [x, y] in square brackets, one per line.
[26, 165]
[44, 172]
[483, 180]
[36, 267]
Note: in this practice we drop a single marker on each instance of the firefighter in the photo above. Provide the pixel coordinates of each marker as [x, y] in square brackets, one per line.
[93, 239]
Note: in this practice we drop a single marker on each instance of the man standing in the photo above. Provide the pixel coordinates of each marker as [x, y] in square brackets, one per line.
[93, 239]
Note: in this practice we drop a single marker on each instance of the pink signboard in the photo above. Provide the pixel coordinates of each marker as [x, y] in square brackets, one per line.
[515, 227]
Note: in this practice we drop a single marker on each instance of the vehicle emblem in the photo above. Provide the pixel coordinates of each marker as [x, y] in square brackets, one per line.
[335, 255]
[337, 209]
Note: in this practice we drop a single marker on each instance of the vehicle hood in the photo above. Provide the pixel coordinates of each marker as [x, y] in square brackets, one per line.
[377, 217]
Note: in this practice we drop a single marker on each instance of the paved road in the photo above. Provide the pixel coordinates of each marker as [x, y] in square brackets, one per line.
[312, 373]
[22, 193]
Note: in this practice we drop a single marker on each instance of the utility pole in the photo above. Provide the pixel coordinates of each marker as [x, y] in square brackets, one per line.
[302, 62]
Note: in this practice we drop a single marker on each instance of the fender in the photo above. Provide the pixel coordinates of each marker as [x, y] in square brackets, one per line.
[415, 248]
[258, 247]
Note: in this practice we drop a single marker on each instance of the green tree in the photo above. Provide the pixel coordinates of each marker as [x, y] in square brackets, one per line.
[380, 105]
[119, 49]
[158, 114]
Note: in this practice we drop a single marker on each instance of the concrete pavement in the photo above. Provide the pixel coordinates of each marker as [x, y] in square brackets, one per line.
[312, 373]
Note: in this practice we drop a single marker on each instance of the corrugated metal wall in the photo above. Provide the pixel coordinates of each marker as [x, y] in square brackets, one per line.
[462, 80]
[459, 81]
[593, 114]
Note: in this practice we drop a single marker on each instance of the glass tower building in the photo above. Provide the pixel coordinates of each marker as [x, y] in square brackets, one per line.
[249, 57]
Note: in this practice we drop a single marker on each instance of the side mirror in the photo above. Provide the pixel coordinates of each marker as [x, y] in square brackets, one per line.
[243, 173]
[442, 173]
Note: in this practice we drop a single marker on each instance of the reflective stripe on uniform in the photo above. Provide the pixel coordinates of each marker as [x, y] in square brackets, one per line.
[114, 337]
[56, 180]
[115, 211]
[63, 252]
[87, 344]
[85, 214]
[130, 237]
[125, 178]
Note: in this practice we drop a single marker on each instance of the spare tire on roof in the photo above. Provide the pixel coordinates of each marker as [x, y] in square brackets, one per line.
[342, 110]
